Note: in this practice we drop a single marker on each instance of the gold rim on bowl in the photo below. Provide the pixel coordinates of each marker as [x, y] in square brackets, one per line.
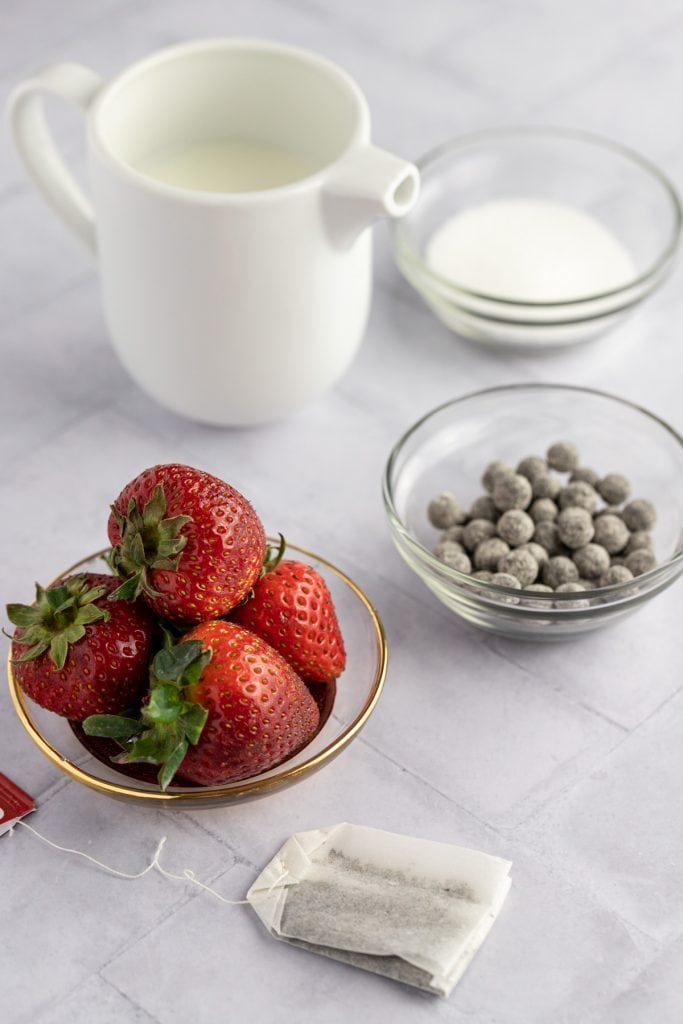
[231, 792]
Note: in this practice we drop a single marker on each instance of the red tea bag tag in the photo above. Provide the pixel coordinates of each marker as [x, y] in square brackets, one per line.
[14, 804]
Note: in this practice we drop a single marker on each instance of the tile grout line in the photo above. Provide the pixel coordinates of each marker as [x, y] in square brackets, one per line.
[53, 790]
[564, 792]
[97, 404]
[631, 47]
[429, 785]
[358, 33]
[637, 974]
[623, 51]
[128, 998]
[239, 857]
[114, 11]
[72, 285]
[511, 835]
[193, 892]
[559, 693]
[54, 1005]
[667, 700]
[603, 716]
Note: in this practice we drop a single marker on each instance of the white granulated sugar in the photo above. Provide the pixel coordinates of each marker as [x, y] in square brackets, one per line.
[529, 250]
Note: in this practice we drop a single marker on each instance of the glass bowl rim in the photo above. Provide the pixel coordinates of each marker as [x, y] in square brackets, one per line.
[472, 139]
[229, 792]
[577, 318]
[432, 563]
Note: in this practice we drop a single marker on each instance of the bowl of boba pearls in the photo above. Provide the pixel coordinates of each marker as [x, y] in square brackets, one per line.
[539, 510]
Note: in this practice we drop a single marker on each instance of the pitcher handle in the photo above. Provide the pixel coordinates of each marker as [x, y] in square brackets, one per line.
[76, 84]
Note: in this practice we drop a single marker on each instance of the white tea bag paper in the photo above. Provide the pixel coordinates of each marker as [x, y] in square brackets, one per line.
[410, 909]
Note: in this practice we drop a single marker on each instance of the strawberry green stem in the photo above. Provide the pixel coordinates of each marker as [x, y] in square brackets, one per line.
[57, 619]
[274, 557]
[168, 723]
[148, 541]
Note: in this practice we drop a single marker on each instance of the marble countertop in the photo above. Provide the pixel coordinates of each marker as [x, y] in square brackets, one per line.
[567, 759]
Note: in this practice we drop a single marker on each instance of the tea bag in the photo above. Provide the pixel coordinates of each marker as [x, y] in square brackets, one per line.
[410, 909]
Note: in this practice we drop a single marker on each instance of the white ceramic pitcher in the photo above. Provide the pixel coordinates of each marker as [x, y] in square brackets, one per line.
[226, 307]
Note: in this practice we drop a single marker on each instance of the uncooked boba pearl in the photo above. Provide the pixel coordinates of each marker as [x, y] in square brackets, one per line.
[536, 551]
[575, 527]
[532, 466]
[483, 508]
[443, 511]
[537, 588]
[638, 540]
[476, 531]
[615, 574]
[543, 510]
[547, 535]
[515, 527]
[454, 533]
[614, 488]
[489, 553]
[506, 579]
[640, 515]
[559, 570]
[511, 491]
[446, 548]
[452, 556]
[640, 561]
[492, 472]
[564, 536]
[571, 588]
[610, 510]
[520, 564]
[578, 495]
[611, 532]
[563, 456]
[592, 561]
[545, 485]
[585, 475]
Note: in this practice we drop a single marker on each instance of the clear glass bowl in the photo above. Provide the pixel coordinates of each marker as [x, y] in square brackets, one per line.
[449, 448]
[630, 196]
[345, 710]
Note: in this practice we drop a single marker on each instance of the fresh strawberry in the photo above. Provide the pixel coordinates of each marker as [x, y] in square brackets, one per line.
[291, 608]
[188, 543]
[222, 706]
[77, 653]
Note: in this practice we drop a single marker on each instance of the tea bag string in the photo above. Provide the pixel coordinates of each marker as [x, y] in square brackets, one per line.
[187, 876]
[93, 860]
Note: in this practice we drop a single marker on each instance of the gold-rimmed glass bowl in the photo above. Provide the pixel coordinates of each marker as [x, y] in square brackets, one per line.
[631, 197]
[448, 450]
[345, 712]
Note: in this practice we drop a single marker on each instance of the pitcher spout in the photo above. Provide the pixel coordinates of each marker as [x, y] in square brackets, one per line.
[368, 183]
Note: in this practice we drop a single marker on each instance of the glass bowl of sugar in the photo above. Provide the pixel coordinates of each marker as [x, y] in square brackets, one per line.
[537, 236]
